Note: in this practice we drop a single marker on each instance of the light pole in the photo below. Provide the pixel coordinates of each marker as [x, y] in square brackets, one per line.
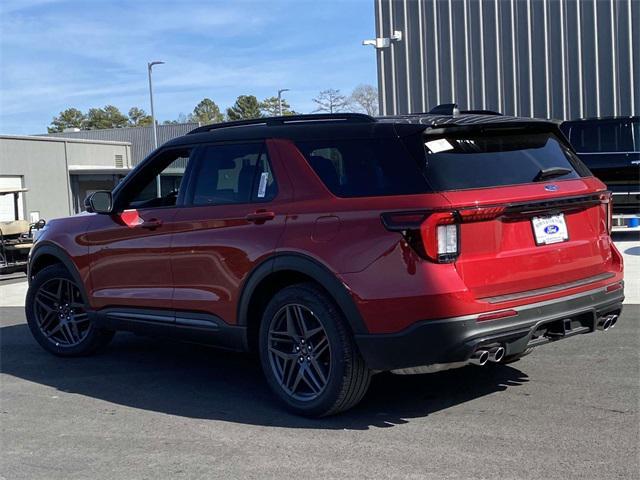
[280, 99]
[153, 123]
[153, 117]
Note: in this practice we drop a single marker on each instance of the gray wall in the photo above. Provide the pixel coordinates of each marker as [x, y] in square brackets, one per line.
[543, 58]
[43, 163]
[140, 138]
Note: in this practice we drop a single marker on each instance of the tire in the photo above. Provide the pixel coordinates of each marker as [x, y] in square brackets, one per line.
[342, 378]
[57, 315]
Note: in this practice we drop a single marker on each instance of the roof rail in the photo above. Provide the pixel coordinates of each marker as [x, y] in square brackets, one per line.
[275, 121]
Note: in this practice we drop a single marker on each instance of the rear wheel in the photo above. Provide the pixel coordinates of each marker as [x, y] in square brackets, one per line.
[58, 317]
[308, 354]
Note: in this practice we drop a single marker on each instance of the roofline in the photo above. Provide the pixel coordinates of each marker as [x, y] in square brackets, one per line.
[62, 139]
[288, 120]
[611, 117]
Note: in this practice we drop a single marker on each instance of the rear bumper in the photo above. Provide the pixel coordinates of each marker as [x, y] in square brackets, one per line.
[456, 339]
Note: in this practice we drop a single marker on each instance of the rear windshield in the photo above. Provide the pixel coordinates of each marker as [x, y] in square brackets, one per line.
[463, 161]
[423, 164]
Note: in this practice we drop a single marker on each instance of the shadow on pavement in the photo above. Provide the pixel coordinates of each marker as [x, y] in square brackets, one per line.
[199, 382]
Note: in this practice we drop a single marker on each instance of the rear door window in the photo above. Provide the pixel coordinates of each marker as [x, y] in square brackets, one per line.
[464, 161]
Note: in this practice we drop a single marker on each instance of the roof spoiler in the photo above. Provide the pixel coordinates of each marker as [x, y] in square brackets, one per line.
[453, 110]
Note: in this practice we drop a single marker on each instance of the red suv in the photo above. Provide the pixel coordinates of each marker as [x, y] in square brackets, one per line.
[338, 246]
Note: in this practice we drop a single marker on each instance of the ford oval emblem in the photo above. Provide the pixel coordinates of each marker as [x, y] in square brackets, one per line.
[551, 188]
[551, 229]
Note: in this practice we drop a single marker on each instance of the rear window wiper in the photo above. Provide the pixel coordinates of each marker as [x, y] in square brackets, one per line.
[551, 172]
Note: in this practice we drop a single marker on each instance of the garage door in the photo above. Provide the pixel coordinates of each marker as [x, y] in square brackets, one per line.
[6, 201]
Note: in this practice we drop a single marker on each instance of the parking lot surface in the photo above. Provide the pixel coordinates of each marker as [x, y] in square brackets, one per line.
[149, 409]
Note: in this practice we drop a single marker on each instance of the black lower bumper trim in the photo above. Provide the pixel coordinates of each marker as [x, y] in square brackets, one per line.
[455, 339]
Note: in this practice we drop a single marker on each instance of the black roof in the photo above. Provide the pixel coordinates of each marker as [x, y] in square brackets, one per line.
[346, 125]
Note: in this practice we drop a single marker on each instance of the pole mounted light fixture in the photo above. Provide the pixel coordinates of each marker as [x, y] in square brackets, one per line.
[153, 116]
[280, 99]
[153, 122]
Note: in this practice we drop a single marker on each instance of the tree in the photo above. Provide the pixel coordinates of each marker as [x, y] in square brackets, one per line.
[331, 101]
[270, 107]
[107, 117]
[69, 118]
[246, 107]
[365, 98]
[138, 117]
[206, 112]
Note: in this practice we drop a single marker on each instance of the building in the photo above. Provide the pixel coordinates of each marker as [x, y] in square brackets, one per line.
[140, 138]
[541, 58]
[58, 173]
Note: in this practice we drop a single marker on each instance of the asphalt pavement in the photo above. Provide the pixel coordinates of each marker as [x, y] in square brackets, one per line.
[153, 409]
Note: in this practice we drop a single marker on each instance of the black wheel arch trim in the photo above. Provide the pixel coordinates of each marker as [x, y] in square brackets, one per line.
[310, 267]
[55, 251]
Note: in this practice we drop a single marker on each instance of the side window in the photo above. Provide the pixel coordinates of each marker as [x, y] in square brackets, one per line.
[607, 136]
[231, 174]
[158, 184]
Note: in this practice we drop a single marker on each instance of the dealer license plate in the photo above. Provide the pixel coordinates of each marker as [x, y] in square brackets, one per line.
[551, 229]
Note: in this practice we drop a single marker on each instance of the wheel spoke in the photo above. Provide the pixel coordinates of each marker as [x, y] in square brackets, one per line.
[320, 347]
[316, 367]
[311, 380]
[299, 319]
[48, 295]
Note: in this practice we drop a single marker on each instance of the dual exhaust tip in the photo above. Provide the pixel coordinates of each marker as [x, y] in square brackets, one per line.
[607, 322]
[482, 356]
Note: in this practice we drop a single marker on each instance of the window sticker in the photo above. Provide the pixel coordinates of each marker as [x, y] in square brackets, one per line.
[440, 145]
[262, 187]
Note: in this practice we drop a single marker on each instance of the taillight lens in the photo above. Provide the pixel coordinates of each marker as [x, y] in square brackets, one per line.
[439, 234]
[607, 201]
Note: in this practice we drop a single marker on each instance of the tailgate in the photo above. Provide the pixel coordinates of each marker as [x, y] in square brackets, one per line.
[505, 255]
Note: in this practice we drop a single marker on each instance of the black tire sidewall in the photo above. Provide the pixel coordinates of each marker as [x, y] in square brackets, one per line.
[328, 315]
[95, 338]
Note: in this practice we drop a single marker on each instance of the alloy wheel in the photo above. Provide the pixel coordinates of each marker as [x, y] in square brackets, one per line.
[60, 313]
[299, 352]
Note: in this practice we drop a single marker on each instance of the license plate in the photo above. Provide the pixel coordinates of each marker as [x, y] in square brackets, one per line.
[551, 229]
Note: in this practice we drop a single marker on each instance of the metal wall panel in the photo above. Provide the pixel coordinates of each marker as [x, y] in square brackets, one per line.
[545, 58]
[141, 138]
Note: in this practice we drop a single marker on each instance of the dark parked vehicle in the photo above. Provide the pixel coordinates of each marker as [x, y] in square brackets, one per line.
[338, 246]
[610, 147]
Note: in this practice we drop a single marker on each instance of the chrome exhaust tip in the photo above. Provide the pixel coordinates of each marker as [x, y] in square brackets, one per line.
[614, 320]
[479, 357]
[496, 354]
[604, 323]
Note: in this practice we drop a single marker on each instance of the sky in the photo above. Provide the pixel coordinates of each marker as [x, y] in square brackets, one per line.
[56, 54]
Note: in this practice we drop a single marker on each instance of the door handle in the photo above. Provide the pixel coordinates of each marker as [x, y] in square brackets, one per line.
[151, 224]
[260, 216]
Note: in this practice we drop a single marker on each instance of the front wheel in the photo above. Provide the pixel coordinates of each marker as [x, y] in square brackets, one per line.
[57, 315]
[308, 355]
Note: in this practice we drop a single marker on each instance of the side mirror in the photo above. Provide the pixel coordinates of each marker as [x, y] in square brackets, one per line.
[99, 202]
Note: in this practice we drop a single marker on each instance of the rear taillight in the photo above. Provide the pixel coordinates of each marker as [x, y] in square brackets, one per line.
[436, 235]
[607, 202]
[439, 232]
